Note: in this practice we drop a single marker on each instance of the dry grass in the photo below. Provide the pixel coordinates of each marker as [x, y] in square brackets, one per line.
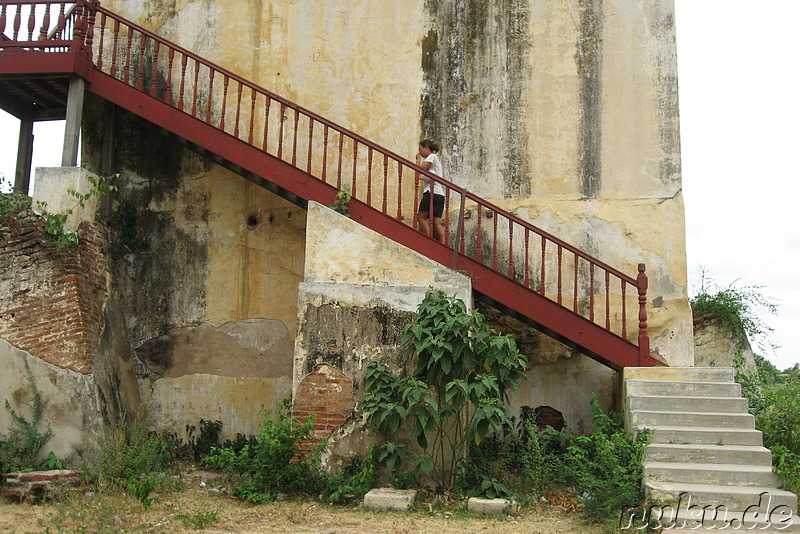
[201, 501]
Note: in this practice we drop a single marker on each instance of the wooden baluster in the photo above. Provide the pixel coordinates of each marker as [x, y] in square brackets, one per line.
[100, 48]
[644, 339]
[399, 191]
[168, 88]
[62, 21]
[128, 66]
[154, 74]
[624, 312]
[494, 240]
[140, 73]
[114, 50]
[294, 137]
[195, 87]
[591, 291]
[527, 260]
[608, 304]
[182, 85]
[355, 167]
[369, 176]
[462, 244]
[541, 281]
[446, 216]
[560, 256]
[92, 13]
[210, 102]
[45, 28]
[266, 123]
[339, 167]
[3, 19]
[225, 81]
[238, 109]
[479, 248]
[253, 94]
[575, 283]
[511, 249]
[385, 208]
[280, 131]
[16, 25]
[310, 143]
[325, 154]
[31, 22]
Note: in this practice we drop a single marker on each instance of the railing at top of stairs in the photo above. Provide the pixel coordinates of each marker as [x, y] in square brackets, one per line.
[497, 240]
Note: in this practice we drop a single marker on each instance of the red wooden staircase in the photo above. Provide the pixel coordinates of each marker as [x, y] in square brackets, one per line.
[293, 152]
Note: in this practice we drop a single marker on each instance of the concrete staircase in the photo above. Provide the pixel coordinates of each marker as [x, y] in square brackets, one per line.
[705, 462]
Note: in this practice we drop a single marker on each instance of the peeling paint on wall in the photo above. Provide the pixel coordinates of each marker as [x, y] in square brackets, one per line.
[474, 60]
[588, 57]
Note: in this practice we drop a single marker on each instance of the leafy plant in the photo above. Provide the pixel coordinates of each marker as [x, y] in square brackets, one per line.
[277, 463]
[357, 477]
[52, 462]
[54, 222]
[343, 196]
[142, 488]
[735, 308]
[457, 391]
[199, 519]
[20, 447]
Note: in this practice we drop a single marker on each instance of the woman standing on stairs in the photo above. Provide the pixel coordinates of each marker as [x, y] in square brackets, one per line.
[428, 159]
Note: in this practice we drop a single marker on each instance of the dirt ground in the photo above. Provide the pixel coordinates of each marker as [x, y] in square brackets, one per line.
[192, 509]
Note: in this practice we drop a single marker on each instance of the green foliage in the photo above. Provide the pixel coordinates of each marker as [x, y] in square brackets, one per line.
[199, 519]
[275, 464]
[142, 488]
[121, 456]
[20, 447]
[201, 445]
[774, 400]
[735, 308]
[54, 222]
[357, 477]
[457, 392]
[12, 203]
[602, 471]
[52, 462]
[343, 196]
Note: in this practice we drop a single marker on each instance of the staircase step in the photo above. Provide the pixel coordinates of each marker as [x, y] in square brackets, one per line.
[654, 419]
[657, 388]
[706, 435]
[688, 404]
[729, 502]
[716, 474]
[709, 454]
[681, 374]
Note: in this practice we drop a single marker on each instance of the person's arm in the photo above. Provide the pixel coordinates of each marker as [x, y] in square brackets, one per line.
[425, 165]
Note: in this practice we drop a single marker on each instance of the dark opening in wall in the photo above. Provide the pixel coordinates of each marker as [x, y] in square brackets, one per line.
[252, 221]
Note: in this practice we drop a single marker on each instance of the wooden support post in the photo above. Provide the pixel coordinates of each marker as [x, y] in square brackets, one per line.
[72, 127]
[22, 176]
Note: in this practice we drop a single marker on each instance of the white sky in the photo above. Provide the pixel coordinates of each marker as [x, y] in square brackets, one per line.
[740, 115]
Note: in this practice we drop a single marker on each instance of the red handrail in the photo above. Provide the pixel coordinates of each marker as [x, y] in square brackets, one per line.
[381, 179]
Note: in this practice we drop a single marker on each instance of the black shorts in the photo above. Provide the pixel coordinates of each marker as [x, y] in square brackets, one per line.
[438, 204]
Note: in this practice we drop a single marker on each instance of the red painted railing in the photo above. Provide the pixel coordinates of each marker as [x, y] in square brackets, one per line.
[475, 228]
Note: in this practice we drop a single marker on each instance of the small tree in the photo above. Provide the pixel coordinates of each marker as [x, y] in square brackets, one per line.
[457, 392]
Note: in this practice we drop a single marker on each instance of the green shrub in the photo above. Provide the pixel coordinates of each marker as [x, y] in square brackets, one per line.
[358, 476]
[457, 392]
[20, 446]
[277, 463]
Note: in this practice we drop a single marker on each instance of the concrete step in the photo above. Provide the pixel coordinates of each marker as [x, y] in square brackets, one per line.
[660, 388]
[715, 474]
[697, 507]
[706, 435]
[708, 454]
[681, 374]
[654, 419]
[688, 404]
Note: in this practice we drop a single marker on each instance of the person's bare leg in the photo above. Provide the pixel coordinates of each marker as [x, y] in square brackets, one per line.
[438, 229]
[422, 223]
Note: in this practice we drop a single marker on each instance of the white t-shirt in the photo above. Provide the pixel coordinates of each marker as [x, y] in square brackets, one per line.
[435, 168]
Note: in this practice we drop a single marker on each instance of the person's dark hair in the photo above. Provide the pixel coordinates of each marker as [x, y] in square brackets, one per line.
[430, 145]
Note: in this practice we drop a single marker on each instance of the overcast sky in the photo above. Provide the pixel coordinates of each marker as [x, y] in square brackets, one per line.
[738, 86]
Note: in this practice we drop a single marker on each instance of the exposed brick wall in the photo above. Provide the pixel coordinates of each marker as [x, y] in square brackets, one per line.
[326, 394]
[51, 302]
